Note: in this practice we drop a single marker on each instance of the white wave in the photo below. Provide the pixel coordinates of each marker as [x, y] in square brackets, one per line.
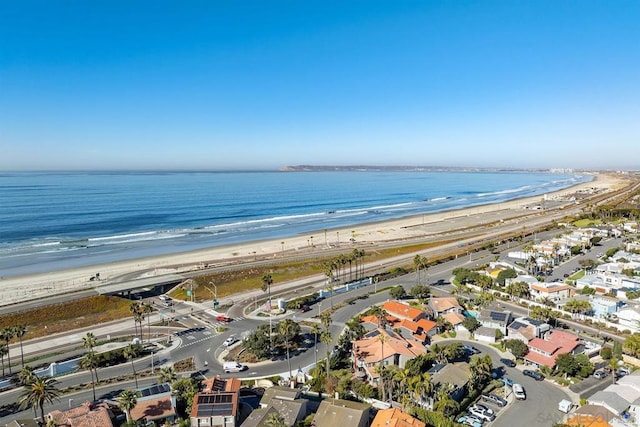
[121, 236]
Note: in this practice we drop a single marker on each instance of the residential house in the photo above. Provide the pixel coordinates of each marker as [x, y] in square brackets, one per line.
[217, 404]
[395, 417]
[607, 282]
[485, 334]
[524, 278]
[342, 413]
[495, 318]
[403, 311]
[629, 317]
[382, 347]
[85, 415]
[526, 329]
[453, 375]
[555, 291]
[603, 307]
[155, 404]
[543, 352]
[455, 319]
[590, 415]
[444, 305]
[281, 400]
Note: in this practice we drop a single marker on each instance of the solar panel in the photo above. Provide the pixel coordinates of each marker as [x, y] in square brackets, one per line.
[498, 316]
[205, 399]
[215, 409]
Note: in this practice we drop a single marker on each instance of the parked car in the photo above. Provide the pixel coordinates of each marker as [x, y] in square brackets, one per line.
[470, 349]
[507, 381]
[533, 374]
[470, 420]
[600, 374]
[518, 392]
[495, 399]
[482, 414]
[508, 362]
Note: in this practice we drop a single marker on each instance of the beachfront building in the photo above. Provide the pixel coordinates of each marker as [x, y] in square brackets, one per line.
[544, 351]
[382, 347]
[604, 307]
[629, 316]
[217, 404]
[607, 282]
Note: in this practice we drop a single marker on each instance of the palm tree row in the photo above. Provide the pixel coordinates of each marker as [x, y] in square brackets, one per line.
[139, 312]
[7, 334]
[338, 265]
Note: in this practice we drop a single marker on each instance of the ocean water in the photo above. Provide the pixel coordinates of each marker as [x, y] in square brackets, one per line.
[52, 221]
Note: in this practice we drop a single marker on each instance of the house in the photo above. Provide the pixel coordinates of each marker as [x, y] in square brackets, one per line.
[85, 415]
[217, 404]
[453, 375]
[455, 319]
[422, 330]
[444, 305]
[281, 400]
[382, 347]
[155, 404]
[554, 291]
[342, 413]
[485, 334]
[403, 311]
[603, 307]
[395, 417]
[629, 317]
[590, 415]
[495, 318]
[543, 352]
[526, 329]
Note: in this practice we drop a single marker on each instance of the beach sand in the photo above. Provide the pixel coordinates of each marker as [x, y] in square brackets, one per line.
[30, 287]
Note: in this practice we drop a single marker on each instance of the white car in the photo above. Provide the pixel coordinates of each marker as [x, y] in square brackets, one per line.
[518, 392]
[482, 412]
[229, 341]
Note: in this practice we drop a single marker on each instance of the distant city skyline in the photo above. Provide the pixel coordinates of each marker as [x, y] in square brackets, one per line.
[249, 85]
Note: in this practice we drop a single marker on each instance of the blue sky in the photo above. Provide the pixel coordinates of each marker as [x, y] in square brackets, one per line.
[264, 84]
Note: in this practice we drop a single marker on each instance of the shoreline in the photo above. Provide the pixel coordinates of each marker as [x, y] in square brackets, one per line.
[34, 286]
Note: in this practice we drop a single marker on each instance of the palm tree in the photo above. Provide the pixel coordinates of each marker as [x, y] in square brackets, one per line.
[134, 309]
[316, 331]
[89, 342]
[480, 368]
[274, 419]
[6, 335]
[285, 329]
[39, 391]
[4, 350]
[419, 262]
[327, 338]
[26, 375]
[267, 281]
[127, 401]
[89, 362]
[167, 375]
[19, 331]
[130, 352]
[147, 310]
[421, 387]
[380, 314]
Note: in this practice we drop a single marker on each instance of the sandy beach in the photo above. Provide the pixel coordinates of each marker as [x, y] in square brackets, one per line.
[29, 287]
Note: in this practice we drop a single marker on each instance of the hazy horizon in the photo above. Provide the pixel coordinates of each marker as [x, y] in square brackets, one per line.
[226, 86]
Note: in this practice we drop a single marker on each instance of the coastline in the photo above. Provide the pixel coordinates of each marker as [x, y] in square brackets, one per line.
[28, 287]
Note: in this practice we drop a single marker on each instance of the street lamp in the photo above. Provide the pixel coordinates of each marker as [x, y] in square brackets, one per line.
[215, 294]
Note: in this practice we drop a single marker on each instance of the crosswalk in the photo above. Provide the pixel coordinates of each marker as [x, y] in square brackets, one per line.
[190, 336]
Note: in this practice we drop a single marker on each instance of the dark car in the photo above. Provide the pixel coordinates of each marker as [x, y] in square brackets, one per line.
[469, 349]
[305, 308]
[508, 362]
[533, 374]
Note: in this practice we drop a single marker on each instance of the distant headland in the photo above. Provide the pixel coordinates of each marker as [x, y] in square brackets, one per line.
[364, 168]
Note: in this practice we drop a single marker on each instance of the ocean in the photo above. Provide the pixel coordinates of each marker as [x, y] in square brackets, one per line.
[53, 220]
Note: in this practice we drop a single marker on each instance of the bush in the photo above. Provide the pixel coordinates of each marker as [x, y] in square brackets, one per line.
[606, 353]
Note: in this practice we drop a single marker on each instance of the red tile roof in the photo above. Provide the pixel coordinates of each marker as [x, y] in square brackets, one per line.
[546, 346]
[153, 409]
[402, 310]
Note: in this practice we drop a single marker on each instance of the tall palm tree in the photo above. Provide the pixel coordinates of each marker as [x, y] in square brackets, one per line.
[134, 309]
[19, 331]
[127, 401]
[130, 352]
[267, 281]
[419, 262]
[480, 367]
[89, 342]
[6, 335]
[380, 315]
[167, 375]
[327, 338]
[285, 329]
[90, 363]
[421, 387]
[147, 310]
[4, 350]
[39, 391]
[316, 331]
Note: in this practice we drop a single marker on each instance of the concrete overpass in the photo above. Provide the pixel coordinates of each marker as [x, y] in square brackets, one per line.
[164, 282]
